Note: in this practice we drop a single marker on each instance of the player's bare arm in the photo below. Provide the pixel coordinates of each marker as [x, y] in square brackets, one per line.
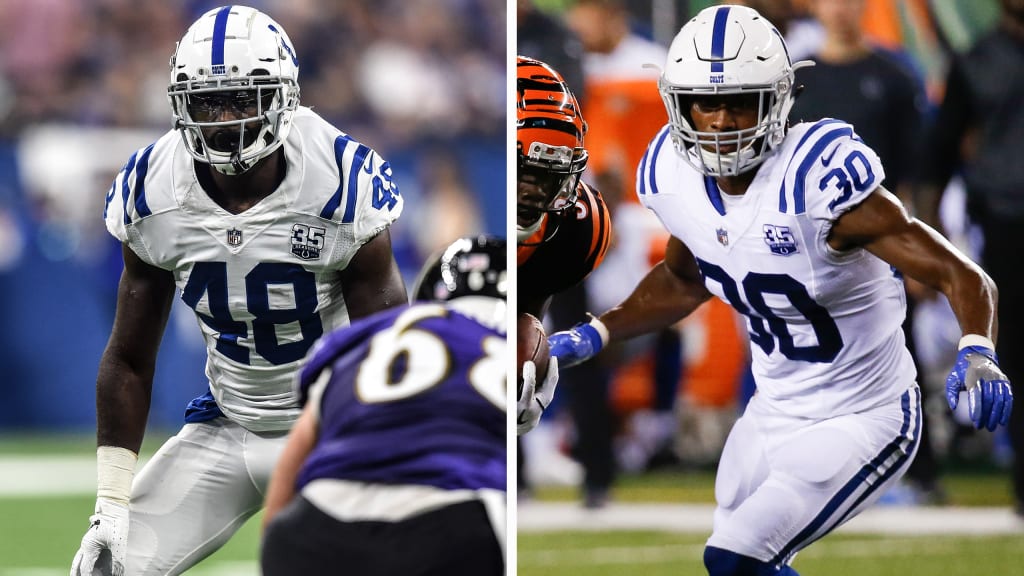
[670, 292]
[882, 226]
[372, 282]
[667, 294]
[125, 380]
[301, 441]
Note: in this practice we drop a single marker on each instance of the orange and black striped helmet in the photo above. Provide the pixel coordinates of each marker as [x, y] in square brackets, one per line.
[549, 134]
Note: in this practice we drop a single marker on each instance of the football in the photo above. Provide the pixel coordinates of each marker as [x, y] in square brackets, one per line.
[532, 345]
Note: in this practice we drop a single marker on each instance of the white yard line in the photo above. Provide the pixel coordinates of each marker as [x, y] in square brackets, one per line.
[225, 569]
[27, 476]
[667, 553]
[697, 518]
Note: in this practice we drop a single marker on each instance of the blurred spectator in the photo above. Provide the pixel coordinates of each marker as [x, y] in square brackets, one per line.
[83, 84]
[804, 35]
[622, 104]
[624, 111]
[865, 86]
[541, 36]
[869, 87]
[980, 130]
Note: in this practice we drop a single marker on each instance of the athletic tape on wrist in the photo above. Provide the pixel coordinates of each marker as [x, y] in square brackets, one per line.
[115, 467]
[975, 340]
[601, 329]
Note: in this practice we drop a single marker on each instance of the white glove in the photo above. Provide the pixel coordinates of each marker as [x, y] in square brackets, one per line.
[104, 548]
[533, 401]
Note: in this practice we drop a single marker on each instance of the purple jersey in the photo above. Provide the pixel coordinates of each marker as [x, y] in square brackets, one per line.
[416, 395]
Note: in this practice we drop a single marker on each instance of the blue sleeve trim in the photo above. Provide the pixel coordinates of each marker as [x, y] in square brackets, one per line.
[799, 198]
[783, 204]
[353, 184]
[126, 190]
[141, 169]
[641, 188]
[352, 175]
[340, 144]
[110, 196]
[654, 160]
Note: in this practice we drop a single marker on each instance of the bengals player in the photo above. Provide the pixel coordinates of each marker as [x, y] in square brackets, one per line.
[563, 225]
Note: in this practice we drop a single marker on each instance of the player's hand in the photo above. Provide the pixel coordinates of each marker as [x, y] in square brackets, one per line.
[578, 344]
[534, 401]
[104, 547]
[989, 396]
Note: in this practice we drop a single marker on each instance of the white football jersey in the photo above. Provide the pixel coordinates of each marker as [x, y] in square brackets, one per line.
[825, 326]
[264, 284]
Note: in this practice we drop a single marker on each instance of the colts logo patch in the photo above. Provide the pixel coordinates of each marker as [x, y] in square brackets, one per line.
[307, 241]
[779, 240]
[234, 237]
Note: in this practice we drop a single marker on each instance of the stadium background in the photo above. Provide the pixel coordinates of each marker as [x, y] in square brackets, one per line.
[82, 86]
[662, 442]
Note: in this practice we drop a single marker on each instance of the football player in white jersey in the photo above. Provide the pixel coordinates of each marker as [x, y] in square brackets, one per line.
[273, 224]
[792, 228]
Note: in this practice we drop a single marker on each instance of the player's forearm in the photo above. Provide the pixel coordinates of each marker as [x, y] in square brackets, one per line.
[973, 296]
[123, 396]
[660, 300]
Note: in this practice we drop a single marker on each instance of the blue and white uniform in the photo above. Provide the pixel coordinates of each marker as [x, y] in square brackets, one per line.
[264, 285]
[836, 417]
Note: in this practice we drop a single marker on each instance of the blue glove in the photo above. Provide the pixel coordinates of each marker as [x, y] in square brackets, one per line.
[989, 396]
[577, 345]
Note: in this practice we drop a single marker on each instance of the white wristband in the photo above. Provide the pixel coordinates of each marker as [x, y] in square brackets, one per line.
[115, 467]
[975, 340]
[602, 330]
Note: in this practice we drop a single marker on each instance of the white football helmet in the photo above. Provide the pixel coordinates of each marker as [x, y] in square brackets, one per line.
[728, 50]
[239, 58]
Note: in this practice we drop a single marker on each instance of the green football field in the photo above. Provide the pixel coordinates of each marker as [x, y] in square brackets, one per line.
[663, 554]
[47, 492]
[593, 552]
[40, 530]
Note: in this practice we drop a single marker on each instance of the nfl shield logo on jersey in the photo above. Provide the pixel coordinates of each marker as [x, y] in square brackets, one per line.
[234, 237]
[723, 236]
[779, 240]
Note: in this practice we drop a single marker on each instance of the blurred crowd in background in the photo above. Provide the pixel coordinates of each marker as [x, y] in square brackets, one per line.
[882, 65]
[83, 85]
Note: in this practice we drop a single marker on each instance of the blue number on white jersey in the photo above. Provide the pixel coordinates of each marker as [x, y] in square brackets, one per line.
[211, 278]
[755, 286]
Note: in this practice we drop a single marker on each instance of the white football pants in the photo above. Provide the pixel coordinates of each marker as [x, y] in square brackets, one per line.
[198, 489]
[784, 482]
